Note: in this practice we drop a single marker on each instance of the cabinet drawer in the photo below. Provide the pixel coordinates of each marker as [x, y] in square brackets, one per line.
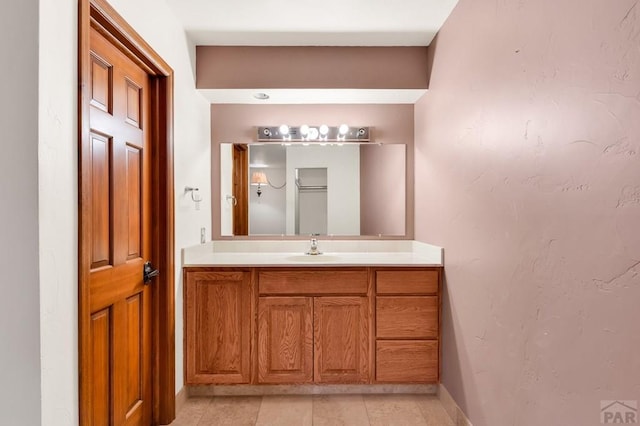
[410, 317]
[407, 361]
[313, 282]
[407, 282]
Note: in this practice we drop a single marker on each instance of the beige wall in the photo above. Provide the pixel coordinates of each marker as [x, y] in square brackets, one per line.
[20, 389]
[528, 158]
[236, 123]
[246, 67]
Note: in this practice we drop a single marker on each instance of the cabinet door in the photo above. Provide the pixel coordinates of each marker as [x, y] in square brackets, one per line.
[341, 334]
[218, 327]
[285, 340]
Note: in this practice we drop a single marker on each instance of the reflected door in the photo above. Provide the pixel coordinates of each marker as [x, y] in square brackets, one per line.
[240, 190]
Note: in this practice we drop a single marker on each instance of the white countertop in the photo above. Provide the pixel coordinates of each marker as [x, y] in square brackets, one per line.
[291, 253]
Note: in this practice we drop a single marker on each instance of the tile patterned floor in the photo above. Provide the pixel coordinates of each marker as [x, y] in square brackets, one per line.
[314, 410]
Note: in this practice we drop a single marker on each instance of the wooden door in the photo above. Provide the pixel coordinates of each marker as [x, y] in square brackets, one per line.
[119, 365]
[285, 340]
[240, 189]
[218, 326]
[341, 340]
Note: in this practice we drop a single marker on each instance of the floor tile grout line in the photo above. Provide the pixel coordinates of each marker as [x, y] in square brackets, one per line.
[451, 421]
[415, 399]
[420, 410]
[255, 421]
[206, 408]
[366, 410]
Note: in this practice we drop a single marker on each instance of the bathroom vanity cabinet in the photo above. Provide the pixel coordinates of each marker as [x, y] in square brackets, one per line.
[306, 324]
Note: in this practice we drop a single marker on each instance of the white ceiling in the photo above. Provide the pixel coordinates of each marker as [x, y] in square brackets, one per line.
[312, 22]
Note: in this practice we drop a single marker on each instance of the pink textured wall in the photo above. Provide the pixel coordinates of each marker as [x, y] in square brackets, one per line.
[248, 67]
[392, 124]
[528, 173]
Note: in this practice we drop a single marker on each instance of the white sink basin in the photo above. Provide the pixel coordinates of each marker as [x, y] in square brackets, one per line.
[313, 258]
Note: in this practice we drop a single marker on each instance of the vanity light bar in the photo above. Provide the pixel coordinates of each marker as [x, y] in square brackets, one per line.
[319, 134]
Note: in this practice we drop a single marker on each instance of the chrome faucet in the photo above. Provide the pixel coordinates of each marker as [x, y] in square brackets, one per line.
[314, 245]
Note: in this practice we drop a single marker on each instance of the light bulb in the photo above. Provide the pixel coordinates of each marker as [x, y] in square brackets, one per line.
[324, 130]
[304, 130]
[343, 129]
[313, 133]
[284, 129]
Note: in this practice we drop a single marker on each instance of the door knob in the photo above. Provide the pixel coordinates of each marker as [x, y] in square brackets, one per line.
[149, 272]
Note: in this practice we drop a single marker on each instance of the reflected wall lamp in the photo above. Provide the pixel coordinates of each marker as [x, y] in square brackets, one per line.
[259, 178]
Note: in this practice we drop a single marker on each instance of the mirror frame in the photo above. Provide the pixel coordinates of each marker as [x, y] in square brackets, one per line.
[235, 123]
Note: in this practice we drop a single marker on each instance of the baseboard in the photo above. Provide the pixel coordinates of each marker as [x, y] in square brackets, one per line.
[248, 390]
[451, 407]
[181, 398]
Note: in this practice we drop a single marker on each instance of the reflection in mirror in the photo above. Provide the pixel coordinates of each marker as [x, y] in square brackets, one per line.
[345, 190]
[311, 201]
[267, 210]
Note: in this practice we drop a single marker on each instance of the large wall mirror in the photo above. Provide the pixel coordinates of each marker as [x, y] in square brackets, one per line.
[296, 189]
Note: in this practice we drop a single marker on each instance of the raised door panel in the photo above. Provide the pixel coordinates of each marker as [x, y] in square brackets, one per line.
[132, 357]
[101, 254]
[341, 340]
[100, 372]
[134, 104]
[285, 340]
[134, 207]
[218, 327]
[407, 317]
[407, 361]
[101, 83]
